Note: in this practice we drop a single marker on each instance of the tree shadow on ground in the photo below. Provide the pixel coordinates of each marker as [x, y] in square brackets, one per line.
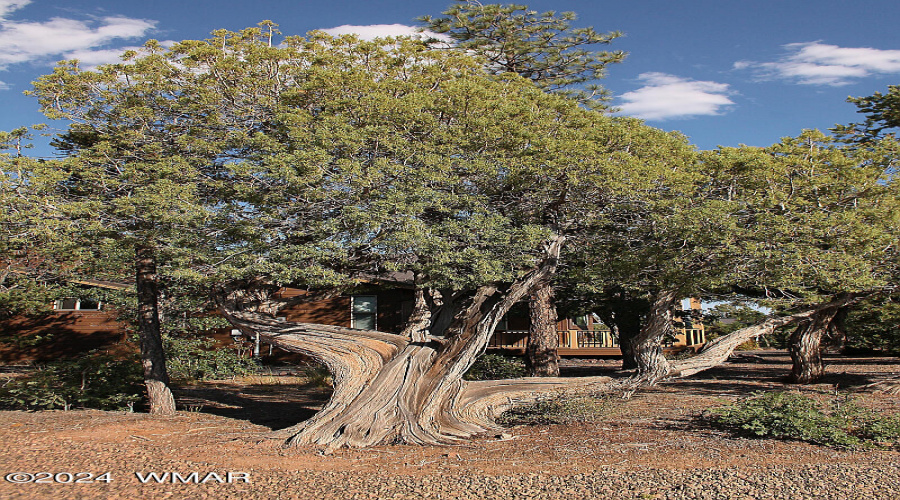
[272, 406]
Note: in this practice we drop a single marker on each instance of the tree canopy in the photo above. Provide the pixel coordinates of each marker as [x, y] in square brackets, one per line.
[544, 47]
[242, 165]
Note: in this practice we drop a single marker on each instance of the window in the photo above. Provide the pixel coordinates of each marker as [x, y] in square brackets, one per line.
[77, 305]
[363, 311]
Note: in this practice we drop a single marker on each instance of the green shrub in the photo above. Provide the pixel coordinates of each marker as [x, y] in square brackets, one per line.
[200, 358]
[93, 381]
[790, 415]
[496, 367]
[558, 410]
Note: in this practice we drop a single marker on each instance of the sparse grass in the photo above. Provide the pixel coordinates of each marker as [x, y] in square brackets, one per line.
[496, 367]
[561, 409]
[315, 376]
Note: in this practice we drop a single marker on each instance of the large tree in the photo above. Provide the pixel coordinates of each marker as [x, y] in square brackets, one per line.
[133, 191]
[820, 227]
[389, 156]
[544, 47]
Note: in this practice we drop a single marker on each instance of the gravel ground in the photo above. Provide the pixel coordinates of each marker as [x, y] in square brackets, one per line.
[649, 448]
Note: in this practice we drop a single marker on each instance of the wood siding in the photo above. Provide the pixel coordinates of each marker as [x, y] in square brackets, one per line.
[62, 334]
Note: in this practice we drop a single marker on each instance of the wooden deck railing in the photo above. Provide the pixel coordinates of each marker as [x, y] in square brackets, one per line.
[596, 339]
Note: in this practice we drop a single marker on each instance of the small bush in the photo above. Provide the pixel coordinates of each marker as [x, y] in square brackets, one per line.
[558, 410]
[496, 367]
[94, 381]
[198, 358]
[790, 415]
[318, 376]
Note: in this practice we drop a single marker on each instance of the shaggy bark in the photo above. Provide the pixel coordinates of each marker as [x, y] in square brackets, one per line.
[806, 346]
[153, 358]
[404, 388]
[542, 351]
[652, 364]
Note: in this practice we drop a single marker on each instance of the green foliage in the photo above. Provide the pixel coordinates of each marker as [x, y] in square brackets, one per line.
[93, 381]
[874, 324]
[723, 319]
[318, 376]
[790, 415]
[496, 367]
[559, 410]
[882, 113]
[200, 358]
[542, 47]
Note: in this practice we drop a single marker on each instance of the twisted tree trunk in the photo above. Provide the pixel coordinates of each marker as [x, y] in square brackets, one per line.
[652, 364]
[806, 346]
[542, 351]
[404, 388]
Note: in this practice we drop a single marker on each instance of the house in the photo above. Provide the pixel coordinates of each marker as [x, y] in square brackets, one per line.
[386, 305]
[72, 326]
[588, 336]
[79, 324]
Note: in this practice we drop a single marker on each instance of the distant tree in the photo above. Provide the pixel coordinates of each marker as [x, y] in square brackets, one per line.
[544, 48]
[726, 318]
[874, 325]
[882, 113]
[26, 286]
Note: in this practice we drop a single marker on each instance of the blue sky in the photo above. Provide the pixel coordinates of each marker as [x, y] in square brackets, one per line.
[722, 72]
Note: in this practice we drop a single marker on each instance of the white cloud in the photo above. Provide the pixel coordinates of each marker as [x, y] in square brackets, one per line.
[4, 86]
[373, 31]
[667, 96]
[8, 6]
[62, 38]
[816, 63]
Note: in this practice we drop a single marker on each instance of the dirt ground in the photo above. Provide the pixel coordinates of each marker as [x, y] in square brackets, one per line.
[223, 429]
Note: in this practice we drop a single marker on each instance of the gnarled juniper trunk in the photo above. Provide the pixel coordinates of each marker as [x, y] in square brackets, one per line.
[806, 346]
[405, 387]
[542, 351]
[652, 364]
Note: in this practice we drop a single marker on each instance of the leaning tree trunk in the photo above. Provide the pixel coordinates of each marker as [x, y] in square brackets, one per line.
[404, 388]
[806, 346]
[717, 351]
[153, 357]
[542, 351]
[652, 364]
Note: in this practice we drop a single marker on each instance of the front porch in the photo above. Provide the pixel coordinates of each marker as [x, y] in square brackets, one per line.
[575, 342]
